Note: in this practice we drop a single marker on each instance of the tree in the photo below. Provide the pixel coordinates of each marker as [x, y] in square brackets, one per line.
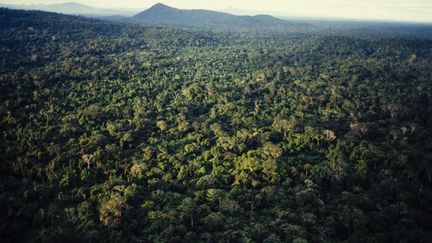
[188, 208]
[338, 165]
[111, 211]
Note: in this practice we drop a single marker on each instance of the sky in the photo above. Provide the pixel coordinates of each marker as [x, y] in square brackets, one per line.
[397, 10]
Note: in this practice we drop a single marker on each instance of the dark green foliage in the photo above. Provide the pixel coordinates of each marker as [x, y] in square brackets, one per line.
[115, 132]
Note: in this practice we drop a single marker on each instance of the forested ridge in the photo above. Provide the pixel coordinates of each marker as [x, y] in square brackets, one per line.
[164, 15]
[124, 133]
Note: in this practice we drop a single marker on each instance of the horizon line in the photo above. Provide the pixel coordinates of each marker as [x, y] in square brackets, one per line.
[280, 15]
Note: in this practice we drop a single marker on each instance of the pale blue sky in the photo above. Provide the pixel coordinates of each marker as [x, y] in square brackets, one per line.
[402, 10]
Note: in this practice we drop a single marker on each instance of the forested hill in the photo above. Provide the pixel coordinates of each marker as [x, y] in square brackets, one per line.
[70, 8]
[34, 35]
[123, 133]
[161, 14]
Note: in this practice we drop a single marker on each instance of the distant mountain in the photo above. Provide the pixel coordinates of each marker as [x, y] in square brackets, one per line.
[72, 8]
[161, 14]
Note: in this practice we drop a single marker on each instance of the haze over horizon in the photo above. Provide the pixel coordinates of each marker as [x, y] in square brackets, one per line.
[394, 10]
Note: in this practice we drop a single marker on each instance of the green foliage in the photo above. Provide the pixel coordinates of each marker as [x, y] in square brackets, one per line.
[116, 132]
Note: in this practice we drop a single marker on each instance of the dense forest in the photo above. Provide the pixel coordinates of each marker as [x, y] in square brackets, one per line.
[115, 132]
